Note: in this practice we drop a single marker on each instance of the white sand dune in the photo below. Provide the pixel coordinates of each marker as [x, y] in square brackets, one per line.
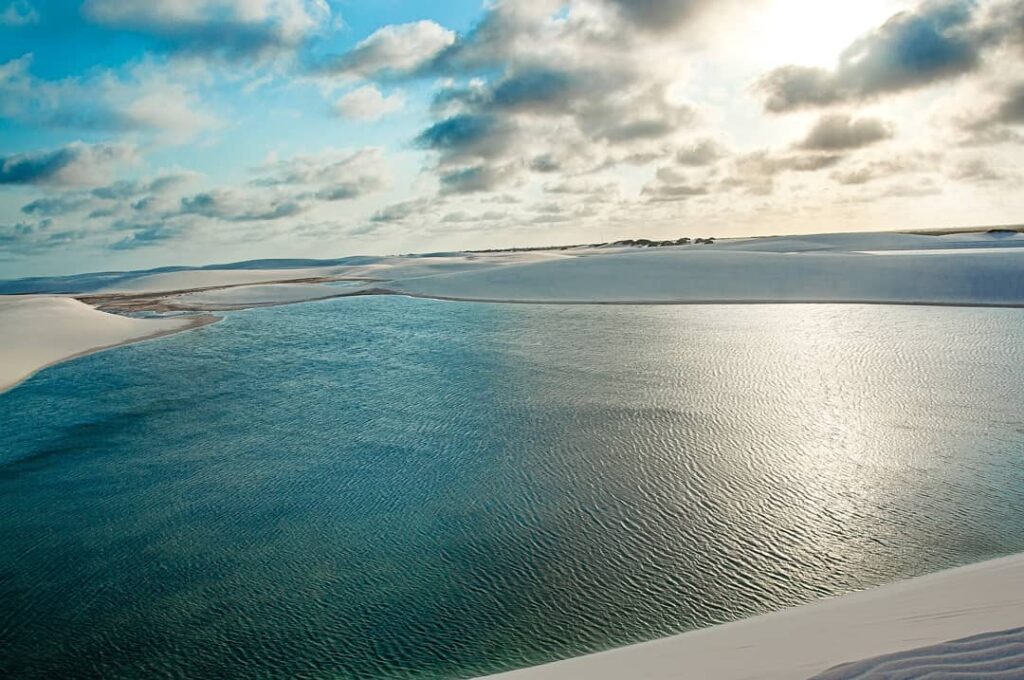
[37, 331]
[803, 641]
[190, 279]
[989, 655]
[260, 295]
[980, 268]
[709, 274]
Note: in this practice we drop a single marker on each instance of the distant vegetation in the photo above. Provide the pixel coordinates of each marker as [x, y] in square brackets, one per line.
[634, 242]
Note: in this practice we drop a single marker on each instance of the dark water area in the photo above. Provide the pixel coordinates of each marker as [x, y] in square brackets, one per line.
[396, 488]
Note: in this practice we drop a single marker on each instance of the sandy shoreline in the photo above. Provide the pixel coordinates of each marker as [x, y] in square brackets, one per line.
[803, 641]
[752, 301]
[45, 332]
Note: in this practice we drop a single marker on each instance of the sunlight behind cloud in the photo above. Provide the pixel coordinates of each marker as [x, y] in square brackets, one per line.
[809, 32]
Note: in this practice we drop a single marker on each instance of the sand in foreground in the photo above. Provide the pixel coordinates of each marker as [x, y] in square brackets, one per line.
[36, 332]
[803, 641]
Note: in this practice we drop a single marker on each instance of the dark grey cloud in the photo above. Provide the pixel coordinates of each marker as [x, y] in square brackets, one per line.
[397, 212]
[658, 15]
[75, 163]
[30, 238]
[1011, 109]
[837, 132]
[143, 235]
[467, 136]
[533, 89]
[225, 205]
[994, 125]
[933, 42]
[473, 179]
[50, 206]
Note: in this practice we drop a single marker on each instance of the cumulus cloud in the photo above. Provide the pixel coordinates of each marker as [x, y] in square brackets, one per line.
[397, 50]
[536, 87]
[232, 28]
[935, 41]
[670, 185]
[144, 98]
[837, 132]
[74, 164]
[367, 103]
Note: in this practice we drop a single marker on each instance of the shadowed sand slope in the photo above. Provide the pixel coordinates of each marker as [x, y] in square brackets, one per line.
[989, 655]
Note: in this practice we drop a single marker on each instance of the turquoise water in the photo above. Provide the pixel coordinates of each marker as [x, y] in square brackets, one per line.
[387, 487]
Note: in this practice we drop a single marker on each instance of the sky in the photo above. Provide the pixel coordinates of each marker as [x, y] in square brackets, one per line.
[142, 133]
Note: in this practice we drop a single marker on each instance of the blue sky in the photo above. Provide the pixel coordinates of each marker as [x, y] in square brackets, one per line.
[141, 133]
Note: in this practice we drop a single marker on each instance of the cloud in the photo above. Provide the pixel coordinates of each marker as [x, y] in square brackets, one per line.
[231, 205]
[658, 15]
[979, 170]
[755, 172]
[396, 50]
[1011, 110]
[935, 41]
[886, 167]
[144, 235]
[130, 189]
[18, 13]
[231, 28]
[671, 185]
[476, 178]
[398, 212]
[467, 136]
[536, 87]
[51, 206]
[74, 164]
[28, 238]
[837, 132]
[332, 175]
[146, 97]
[368, 104]
[701, 152]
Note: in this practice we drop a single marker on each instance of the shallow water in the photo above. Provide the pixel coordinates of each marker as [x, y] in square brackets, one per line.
[388, 487]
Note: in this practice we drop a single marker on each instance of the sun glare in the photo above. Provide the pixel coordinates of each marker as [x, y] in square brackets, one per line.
[811, 32]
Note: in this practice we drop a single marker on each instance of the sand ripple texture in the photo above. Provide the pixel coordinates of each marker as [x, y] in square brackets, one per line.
[989, 656]
[396, 488]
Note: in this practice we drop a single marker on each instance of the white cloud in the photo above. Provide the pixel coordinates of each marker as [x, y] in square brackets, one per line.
[232, 27]
[369, 104]
[145, 98]
[395, 49]
[75, 164]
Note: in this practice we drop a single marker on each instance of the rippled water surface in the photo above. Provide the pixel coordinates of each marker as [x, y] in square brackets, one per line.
[386, 487]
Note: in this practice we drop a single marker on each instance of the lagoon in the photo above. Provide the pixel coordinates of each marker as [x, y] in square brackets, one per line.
[402, 488]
